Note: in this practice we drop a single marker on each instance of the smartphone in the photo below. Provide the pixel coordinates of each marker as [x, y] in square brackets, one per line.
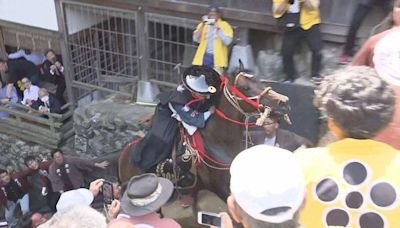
[208, 219]
[108, 192]
[3, 224]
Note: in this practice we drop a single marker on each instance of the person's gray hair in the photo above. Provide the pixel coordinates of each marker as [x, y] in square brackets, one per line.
[79, 216]
[254, 223]
[359, 102]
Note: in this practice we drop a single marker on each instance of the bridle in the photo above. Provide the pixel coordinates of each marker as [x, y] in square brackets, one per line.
[234, 96]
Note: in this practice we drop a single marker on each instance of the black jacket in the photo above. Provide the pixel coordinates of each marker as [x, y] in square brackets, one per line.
[54, 104]
[47, 76]
[157, 145]
[20, 68]
[285, 139]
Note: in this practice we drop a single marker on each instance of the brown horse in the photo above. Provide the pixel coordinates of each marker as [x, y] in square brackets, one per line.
[223, 134]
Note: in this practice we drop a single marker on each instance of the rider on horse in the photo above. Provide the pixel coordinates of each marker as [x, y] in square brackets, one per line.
[189, 106]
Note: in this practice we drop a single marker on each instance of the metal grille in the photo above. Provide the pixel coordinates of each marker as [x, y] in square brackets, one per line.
[103, 47]
[170, 43]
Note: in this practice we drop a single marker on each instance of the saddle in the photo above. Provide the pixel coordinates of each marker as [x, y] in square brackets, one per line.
[180, 167]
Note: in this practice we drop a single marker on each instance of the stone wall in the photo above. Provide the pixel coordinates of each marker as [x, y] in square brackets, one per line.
[269, 62]
[104, 127]
[13, 151]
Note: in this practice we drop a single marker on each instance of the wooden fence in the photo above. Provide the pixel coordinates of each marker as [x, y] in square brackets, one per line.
[46, 129]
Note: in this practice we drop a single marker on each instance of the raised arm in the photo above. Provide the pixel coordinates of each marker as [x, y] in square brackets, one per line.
[279, 7]
[197, 33]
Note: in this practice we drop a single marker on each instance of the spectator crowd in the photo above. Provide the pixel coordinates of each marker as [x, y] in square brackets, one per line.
[281, 181]
[21, 76]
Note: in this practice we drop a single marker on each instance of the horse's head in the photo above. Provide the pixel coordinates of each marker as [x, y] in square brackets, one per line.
[253, 96]
[241, 96]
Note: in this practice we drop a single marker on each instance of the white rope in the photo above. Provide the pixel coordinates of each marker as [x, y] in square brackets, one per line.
[233, 100]
[213, 167]
[247, 135]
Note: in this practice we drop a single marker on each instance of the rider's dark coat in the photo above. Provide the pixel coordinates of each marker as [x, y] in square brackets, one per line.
[157, 145]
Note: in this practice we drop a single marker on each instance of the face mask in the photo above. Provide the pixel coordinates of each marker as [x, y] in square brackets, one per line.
[45, 99]
[53, 60]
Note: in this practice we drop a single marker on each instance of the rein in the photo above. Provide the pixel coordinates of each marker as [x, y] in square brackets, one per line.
[225, 117]
[234, 95]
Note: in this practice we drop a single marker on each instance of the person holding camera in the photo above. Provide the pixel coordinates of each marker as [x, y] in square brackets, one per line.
[214, 35]
[53, 72]
[299, 19]
[142, 200]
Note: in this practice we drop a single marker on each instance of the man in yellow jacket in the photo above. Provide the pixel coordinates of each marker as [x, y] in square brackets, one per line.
[353, 182]
[214, 36]
[299, 20]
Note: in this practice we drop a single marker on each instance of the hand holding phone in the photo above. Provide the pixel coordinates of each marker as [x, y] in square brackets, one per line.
[209, 219]
[208, 21]
[108, 192]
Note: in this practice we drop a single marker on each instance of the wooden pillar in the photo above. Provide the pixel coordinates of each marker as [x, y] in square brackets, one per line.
[143, 49]
[63, 37]
[3, 53]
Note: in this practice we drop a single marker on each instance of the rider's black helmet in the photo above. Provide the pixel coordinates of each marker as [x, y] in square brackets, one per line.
[201, 79]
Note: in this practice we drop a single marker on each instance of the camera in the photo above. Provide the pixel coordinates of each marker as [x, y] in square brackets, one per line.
[209, 21]
[209, 219]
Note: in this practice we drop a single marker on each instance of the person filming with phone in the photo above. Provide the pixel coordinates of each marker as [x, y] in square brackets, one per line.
[142, 200]
[214, 35]
[267, 190]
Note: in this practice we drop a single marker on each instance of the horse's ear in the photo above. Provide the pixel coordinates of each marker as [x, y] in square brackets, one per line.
[233, 74]
[241, 66]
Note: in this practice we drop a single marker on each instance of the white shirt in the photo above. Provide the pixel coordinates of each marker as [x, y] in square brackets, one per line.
[35, 57]
[30, 94]
[270, 141]
[295, 7]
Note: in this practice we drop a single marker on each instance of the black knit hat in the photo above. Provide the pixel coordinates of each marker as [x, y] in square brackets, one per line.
[214, 8]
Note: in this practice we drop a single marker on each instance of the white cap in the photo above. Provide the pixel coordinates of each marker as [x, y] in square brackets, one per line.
[81, 196]
[387, 57]
[265, 177]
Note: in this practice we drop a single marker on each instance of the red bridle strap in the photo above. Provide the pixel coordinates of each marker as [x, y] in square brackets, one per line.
[225, 117]
[238, 93]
